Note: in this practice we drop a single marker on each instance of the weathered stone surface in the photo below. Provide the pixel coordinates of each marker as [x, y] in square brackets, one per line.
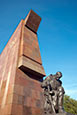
[29, 44]
[29, 65]
[8, 64]
[20, 91]
[32, 21]
[29, 53]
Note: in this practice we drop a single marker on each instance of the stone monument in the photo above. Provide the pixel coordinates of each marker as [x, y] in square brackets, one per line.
[21, 75]
[21, 71]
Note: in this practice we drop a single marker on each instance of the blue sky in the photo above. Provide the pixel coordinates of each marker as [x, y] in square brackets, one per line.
[57, 34]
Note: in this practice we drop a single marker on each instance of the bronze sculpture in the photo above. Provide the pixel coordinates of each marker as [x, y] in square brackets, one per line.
[53, 94]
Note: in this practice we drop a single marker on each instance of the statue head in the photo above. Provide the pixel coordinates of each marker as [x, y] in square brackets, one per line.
[58, 75]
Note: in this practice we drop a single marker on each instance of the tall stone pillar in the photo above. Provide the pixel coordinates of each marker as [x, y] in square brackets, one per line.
[21, 71]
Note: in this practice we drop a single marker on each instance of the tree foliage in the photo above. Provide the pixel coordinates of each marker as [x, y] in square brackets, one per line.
[70, 105]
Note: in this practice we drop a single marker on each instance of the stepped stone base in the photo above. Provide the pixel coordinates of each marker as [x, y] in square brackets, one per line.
[61, 114]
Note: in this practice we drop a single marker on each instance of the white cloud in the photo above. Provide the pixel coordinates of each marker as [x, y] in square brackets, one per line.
[72, 93]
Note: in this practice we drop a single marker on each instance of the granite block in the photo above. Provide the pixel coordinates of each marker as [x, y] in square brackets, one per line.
[20, 91]
[29, 45]
[32, 21]
[27, 65]
[17, 109]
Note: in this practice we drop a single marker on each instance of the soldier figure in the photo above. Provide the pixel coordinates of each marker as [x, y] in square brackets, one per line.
[53, 93]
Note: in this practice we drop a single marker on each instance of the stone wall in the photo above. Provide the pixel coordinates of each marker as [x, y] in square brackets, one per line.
[21, 71]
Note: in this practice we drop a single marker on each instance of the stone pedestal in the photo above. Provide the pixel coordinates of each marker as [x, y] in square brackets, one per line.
[21, 71]
[64, 114]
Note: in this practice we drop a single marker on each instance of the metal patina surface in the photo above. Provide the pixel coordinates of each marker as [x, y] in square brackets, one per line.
[53, 94]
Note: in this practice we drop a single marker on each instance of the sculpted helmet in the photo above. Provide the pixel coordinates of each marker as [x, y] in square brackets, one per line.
[59, 74]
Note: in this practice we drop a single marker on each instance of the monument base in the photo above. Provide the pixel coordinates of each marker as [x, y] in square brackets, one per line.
[60, 114]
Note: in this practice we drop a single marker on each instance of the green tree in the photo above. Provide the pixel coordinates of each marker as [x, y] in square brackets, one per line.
[70, 105]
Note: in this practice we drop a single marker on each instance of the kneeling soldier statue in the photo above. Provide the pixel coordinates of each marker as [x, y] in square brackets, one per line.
[53, 93]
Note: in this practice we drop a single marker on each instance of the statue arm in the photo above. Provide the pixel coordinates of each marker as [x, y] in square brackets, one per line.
[44, 84]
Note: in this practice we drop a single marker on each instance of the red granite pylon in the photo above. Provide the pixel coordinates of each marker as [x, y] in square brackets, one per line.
[21, 71]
